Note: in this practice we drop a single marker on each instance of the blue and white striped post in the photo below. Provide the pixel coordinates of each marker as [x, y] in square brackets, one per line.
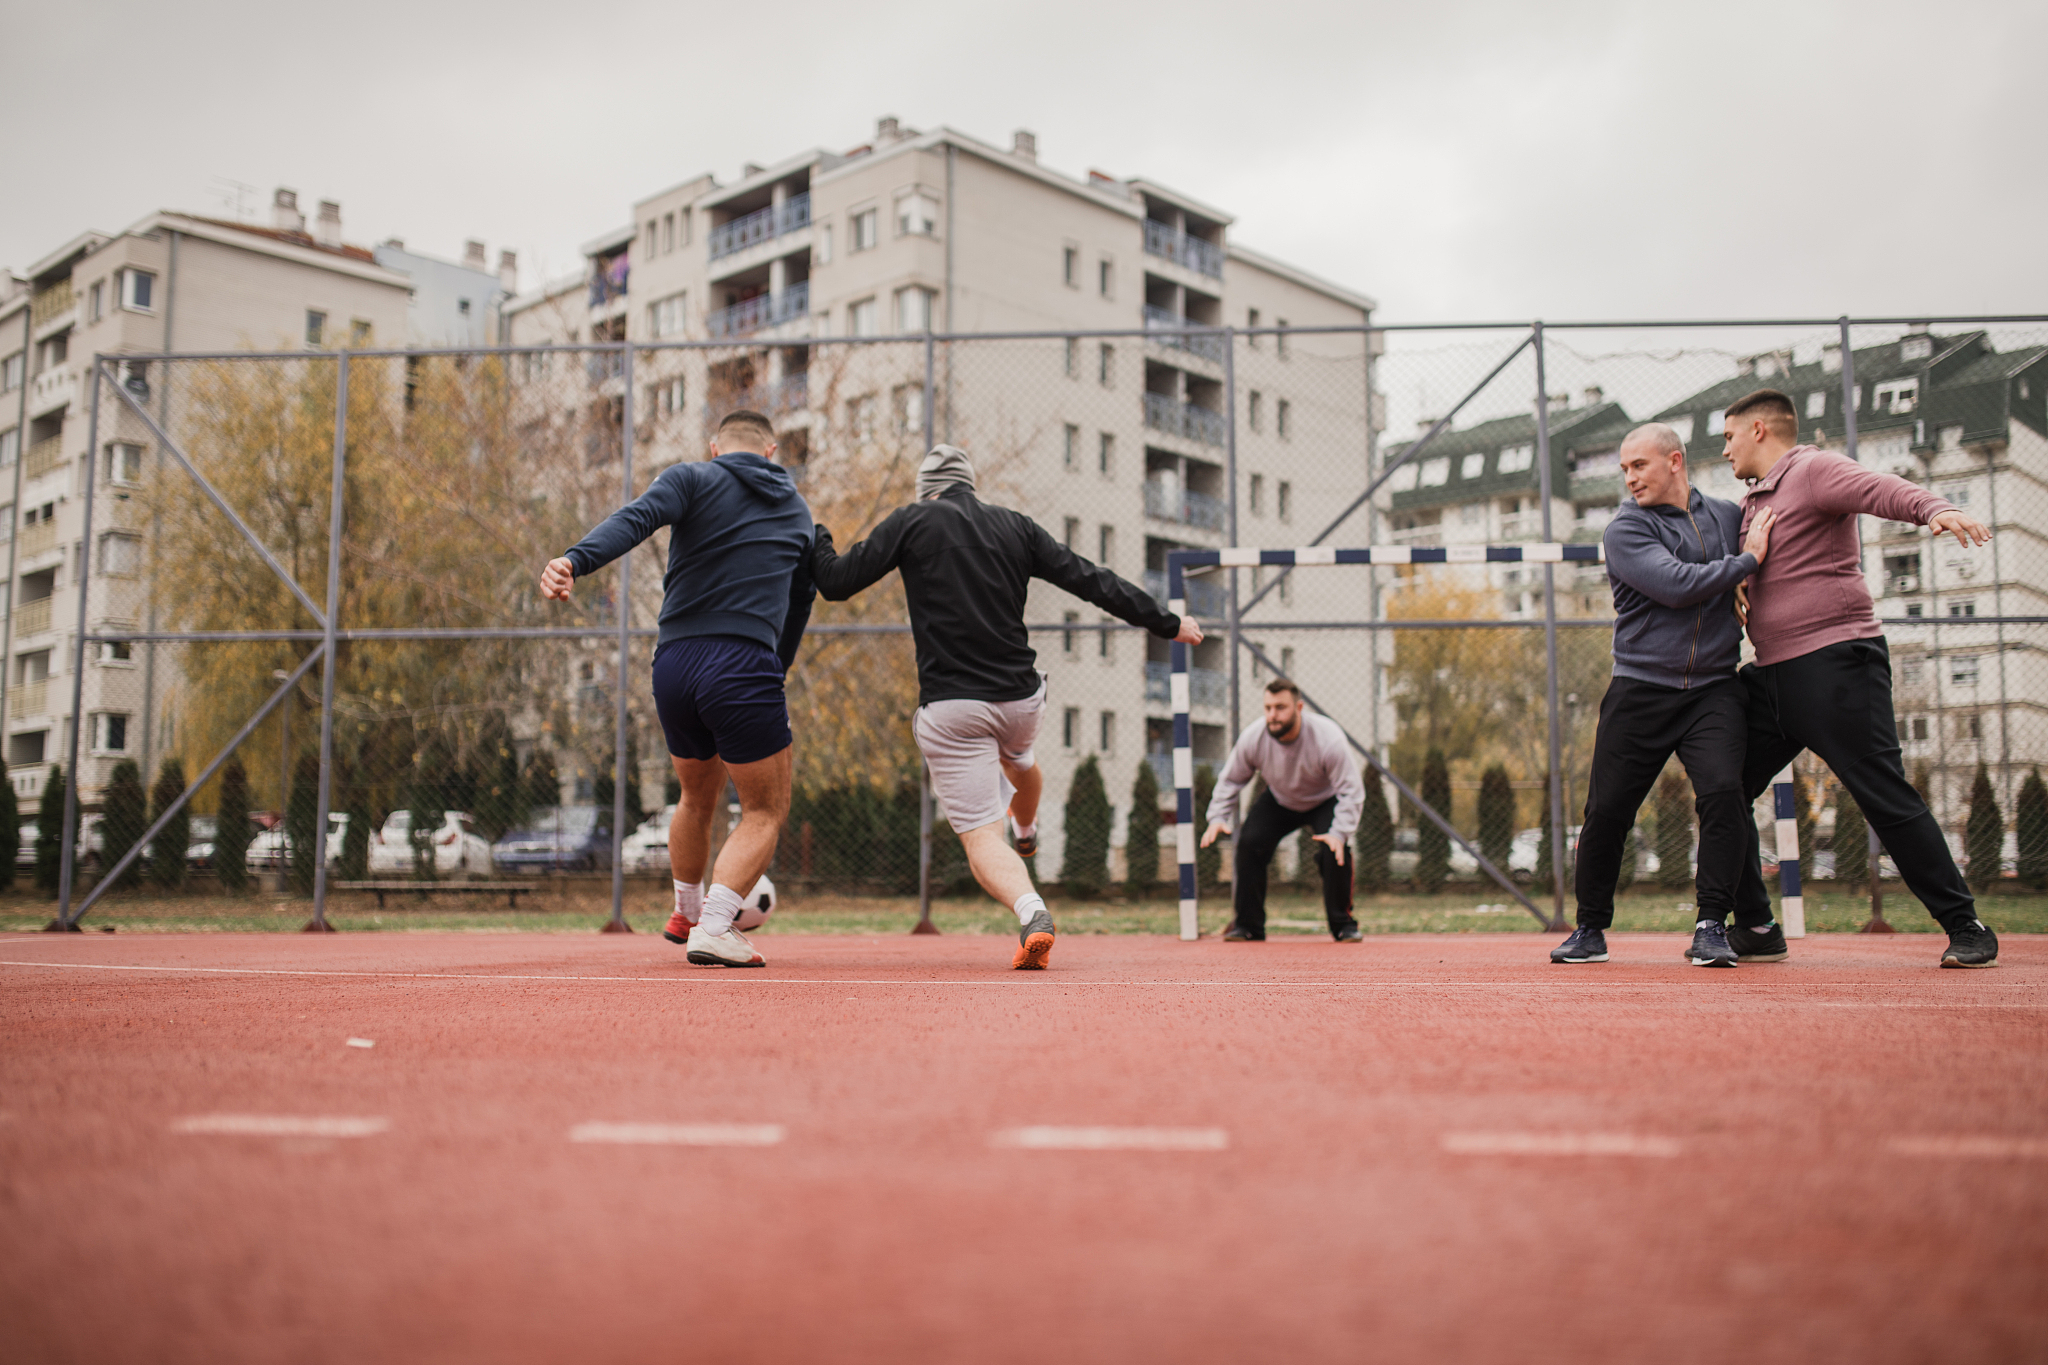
[1178, 562]
[1785, 800]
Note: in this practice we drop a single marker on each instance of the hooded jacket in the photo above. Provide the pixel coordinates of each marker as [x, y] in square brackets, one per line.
[1674, 571]
[739, 550]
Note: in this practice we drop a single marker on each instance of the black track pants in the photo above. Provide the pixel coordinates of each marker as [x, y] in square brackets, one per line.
[1265, 825]
[1837, 701]
[1641, 726]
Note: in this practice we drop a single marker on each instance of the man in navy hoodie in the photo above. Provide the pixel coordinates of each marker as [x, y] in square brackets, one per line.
[736, 598]
[1674, 558]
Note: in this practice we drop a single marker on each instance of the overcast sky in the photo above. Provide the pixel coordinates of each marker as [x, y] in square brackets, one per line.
[1565, 158]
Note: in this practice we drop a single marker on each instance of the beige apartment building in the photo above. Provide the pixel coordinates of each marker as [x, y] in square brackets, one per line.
[1118, 445]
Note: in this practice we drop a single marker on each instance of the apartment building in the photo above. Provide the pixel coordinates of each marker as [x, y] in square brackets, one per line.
[452, 303]
[1118, 445]
[169, 282]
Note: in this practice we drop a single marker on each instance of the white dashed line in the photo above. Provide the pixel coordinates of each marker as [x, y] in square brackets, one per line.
[280, 1125]
[362, 1042]
[681, 1134]
[1558, 1144]
[1967, 1145]
[1047, 1139]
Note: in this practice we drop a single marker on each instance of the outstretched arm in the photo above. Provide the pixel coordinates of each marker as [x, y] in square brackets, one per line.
[1639, 559]
[1092, 583]
[840, 576]
[663, 504]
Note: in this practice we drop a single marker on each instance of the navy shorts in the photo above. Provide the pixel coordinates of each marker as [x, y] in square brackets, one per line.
[721, 697]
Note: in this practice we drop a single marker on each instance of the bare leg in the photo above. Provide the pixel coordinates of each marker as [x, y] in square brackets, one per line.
[764, 805]
[689, 830]
[1030, 784]
[995, 864]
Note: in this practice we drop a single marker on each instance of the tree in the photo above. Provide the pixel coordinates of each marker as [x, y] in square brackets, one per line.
[541, 786]
[167, 852]
[10, 829]
[1084, 871]
[1432, 845]
[1141, 833]
[1674, 832]
[1984, 834]
[1631, 859]
[300, 815]
[1208, 861]
[1852, 840]
[232, 829]
[50, 833]
[1496, 816]
[498, 795]
[1806, 805]
[2030, 827]
[122, 821]
[1545, 826]
[1375, 837]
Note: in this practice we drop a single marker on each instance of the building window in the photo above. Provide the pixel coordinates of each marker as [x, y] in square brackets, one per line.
[96, 301]
[1280, 416]
[1070, 267]
[1436, 473]
[124, 463]
[1068, 645]
[11, 371]
[860, 415]
[1070, 727]
[316, 326]
[1964, 609]
[109, 732]
[1072, 456]
[10, 446]
[1957, 493]
[1254, 402]
[666, 317]
[914, 310]
[1970, 727]
[1472, 466]
[668, 232]
[1285, 500]
[1258, 495]
[462, 307]
[1287, 664]
[1717, 422]
[120, 554]
[1105, 453]
[864, 229]
[1105, 364]
[668, 395]
[1105, 545]
[860, 318]
[116, 652]
[1251, 320]
[1102, 639]
[1471, 513]
[1073, 357]
[360, 332]
[1897, 397]
[1105, 274]
[1070, 532]
[917, 215]
[1280, 338]
[1108, 729]
[1515, 459]
[821, 254]
[138, 290]
[1817, 403]
[909, 407]
[653, 240]
[1962, 670]
[1916, 348]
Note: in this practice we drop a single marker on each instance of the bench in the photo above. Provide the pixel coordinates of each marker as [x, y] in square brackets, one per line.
[512, 890]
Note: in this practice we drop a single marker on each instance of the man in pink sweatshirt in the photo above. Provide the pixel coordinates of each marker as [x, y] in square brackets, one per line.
[1822, 679]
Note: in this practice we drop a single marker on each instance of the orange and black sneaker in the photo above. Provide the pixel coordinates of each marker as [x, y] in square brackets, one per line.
[1027, 844]
[678, 930]
[1035, 944]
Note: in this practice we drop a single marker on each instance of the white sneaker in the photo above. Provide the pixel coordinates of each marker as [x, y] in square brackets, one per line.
[729, 949]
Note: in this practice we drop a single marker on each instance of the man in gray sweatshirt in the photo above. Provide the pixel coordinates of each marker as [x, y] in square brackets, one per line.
[1674, 562]
[1311, 779]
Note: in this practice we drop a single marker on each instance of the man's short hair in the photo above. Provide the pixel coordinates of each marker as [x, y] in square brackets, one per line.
[1284, 685]
[748, 423]
[1774, 407]
[1659, 436]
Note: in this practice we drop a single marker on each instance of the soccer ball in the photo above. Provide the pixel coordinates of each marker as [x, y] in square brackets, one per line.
[760, 905]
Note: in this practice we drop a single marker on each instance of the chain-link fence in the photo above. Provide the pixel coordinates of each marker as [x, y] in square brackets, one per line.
[405, 697]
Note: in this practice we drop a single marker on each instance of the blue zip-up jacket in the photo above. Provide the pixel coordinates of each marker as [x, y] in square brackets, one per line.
[739, 550]
[1674, 572]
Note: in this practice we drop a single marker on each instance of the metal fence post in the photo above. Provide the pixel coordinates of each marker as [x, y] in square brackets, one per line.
[1848, 394]
[1230, 538]
[1556, 793]
[617, 923]
[324, 802]
[67, 866]
[924, 774]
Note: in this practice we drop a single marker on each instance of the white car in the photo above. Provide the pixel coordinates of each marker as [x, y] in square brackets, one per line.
[646, 848]
[457, 846]
[268, 847]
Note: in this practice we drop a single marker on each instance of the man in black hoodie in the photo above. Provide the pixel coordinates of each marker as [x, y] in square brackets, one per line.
[736, 597]
[966, 569]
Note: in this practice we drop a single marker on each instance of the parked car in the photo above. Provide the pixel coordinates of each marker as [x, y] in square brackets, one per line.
[457, 846]
[557, 839]
[269, 848]
[646, 848]
[25, 854]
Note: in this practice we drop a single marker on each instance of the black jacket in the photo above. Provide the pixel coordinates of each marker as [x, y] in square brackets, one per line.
[966, 568]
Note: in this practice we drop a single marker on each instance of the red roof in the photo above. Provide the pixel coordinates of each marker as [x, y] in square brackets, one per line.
[304, 239]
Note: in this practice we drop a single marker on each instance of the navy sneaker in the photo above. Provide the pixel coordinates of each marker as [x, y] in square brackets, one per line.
[1764, 943]
[1973, 945]
[1710, 945]
[1349, 935]
[1585, 945]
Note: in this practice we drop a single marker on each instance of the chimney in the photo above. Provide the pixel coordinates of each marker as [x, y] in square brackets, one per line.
[1831, 357]
[327, 227]
[1594, 396]
[1561, 401]
[885, 129]
[284, 211]
[395, 243]
[1423, 424]
[508, 271]
[1024, 144]
[473, 255]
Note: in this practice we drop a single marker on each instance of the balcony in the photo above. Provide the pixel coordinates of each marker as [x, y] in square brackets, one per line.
[774, 221]
[1521, 526]
[791, 393]
[51, 304]
[39, 539]
[1902, 585]
[1179, 505]
[1205, 598]
[32, 618]
[1170, 329]
[1164, 412]
[54, 388]
[763, 310]
[28, 699]
[1418, 535]
[28, 782]
[44, 457]
[1171, 244]
[1206, 686]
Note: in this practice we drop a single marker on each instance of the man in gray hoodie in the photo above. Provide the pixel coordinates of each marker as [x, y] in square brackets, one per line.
[1674, 561]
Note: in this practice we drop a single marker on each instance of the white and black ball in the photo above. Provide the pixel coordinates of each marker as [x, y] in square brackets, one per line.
[760, 904]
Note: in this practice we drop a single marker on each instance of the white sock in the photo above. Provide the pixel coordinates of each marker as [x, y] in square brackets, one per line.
[1704, 923]
[1028, 904]
[1023, 831]
[721, 907]
[690, 900]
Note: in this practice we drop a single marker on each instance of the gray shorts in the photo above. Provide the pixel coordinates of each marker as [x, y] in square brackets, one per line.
[962, 742]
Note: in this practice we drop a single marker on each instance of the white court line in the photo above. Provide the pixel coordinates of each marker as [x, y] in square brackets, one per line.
[1559, 1144]
[681, 1134]
[1048, 1139]
[1967, 1145]
[280, 1125]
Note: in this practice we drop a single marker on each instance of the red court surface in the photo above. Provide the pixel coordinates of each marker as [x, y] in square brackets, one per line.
[1417, 1149]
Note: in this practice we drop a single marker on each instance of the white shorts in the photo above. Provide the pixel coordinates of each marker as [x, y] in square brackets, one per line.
[964, 743]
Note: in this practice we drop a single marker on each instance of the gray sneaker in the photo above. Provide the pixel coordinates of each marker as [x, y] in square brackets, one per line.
[1034, 943]
[1710, 945]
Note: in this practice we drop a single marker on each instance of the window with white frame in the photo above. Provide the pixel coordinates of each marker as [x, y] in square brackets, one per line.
[1717, 421]
[1257, 495]
[1957, 493]
[1436, 473]
[138, 291]
[1817, 403]
[1403, 479]
[1962, 670]
[1105, 545]
[1107, 739]
[1071, 457]
[653, 238]
[908, 405]
[1105, 452]
[11, 371]
[1916, 347]
[667, 317]
[117, 652]
[1896, 396]
[1515, 459]
[917, 215]
[10, 446]
[1254, 408]
[1070, 727]
[1071, 533]
[123, 462]
[1281, 414]
[110, 732]
[1070, 643]
[1070, 266]
[1962, 608]
[120, 554]
[1280, 337]
[860, 415]
[1105, 277]
[96, 301]
[914, 309]
[821, 248]
[1105, 364]
[1103, 639]
[1073, 357]
[316, 326]
[860, 318]
[864, 224]
[1472, 466]
[1285, 499]
[668, 394]
[1471, 513]
[1287, 662]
